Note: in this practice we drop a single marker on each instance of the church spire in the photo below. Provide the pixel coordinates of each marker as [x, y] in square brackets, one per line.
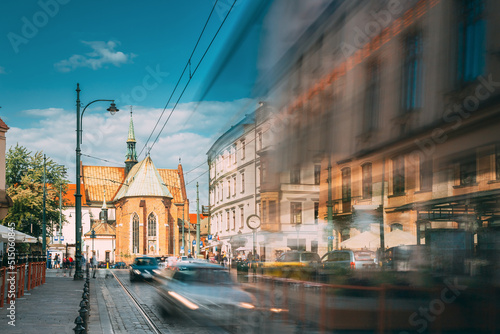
[131, 157]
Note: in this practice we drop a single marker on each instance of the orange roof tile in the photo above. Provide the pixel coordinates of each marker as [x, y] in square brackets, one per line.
[98, 178]
[172, 180]
[3, 126]
[69, 195]
[193, 219]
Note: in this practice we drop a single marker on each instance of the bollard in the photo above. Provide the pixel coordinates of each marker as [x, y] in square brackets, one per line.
[79, 329]
[86, 298]
[84, 314]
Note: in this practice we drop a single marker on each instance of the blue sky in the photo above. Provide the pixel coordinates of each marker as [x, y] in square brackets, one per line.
[133, 53]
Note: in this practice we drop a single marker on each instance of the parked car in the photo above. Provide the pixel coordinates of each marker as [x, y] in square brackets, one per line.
[201, 290]
[293, 264]
[119, 265]
[102, 264]
[144, 267]
[349, 259]
[299, 258]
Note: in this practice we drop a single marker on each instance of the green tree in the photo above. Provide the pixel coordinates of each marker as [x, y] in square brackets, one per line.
[24, 178]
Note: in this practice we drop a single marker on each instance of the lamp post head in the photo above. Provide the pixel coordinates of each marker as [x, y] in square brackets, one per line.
[113, 109]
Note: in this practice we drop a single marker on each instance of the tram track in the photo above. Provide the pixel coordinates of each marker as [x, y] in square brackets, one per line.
[144, 313]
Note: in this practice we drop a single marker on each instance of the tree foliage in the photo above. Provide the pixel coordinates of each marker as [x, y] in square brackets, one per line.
[24, 178]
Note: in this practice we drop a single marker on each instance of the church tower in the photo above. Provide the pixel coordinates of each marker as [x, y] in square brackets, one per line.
[131, 157]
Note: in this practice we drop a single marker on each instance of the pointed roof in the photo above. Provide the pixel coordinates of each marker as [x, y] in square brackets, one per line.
[131, 134]
[143, 180]
[102, 229]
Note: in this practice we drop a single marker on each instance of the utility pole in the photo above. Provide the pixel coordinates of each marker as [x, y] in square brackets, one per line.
[44, 222]
[198, 220]
[329, 205]
[60, 212]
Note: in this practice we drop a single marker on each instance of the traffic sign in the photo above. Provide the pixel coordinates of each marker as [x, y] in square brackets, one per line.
[331, 237]
[194, 242]
[209, 237]
[182, 247]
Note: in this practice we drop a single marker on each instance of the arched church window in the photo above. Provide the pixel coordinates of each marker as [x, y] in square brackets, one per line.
[151, 225]
[135, 233]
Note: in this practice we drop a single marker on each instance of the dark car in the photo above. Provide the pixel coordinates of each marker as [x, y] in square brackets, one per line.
[349, 259]
[102, 264]
[119, 265]
[143, 268]
[201, 290]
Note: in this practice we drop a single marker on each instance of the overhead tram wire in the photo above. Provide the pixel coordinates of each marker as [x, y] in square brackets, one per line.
[188, 64]
[191, 76]
[89, 156]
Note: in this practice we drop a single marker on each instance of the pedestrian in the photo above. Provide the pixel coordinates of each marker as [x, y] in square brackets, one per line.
[56, 261]
[49, 262]
[94, 265]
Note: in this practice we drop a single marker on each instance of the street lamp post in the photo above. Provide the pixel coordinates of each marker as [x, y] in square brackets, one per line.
[78, 196]
[44, 221]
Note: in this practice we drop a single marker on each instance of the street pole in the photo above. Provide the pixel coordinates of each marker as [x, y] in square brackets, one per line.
[60, 212]
[329, 205]
[44, 222]
[78, 196]
[198, 220]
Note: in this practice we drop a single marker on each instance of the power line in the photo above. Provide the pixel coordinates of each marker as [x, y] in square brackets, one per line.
[113, 162]
[191, 76]
[188, 63]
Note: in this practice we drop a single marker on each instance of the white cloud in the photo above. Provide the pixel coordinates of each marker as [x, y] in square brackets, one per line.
[103, 54]
[188, 135]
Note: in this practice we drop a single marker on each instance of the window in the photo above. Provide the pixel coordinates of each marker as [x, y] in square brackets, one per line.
[151, 225]
[296, 213]
[234, 185]
[235, 149]
[243, 147]
[346, 189]
[317, 174]
[396, 226]
[234, 219]
[372, 97]
[260, 140]
[412, 72]
[468, 173]
[398, 175]
[272, 212]
[221, 191]
[263, 169]
[258, 176]
[135, 233]
[228, 188]
[242, 182]
[425, 174]
[316, 212]
[471, 40]
[227, 220]
[366, 171]
[295, 176]
[242, 217]
[497, 162]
